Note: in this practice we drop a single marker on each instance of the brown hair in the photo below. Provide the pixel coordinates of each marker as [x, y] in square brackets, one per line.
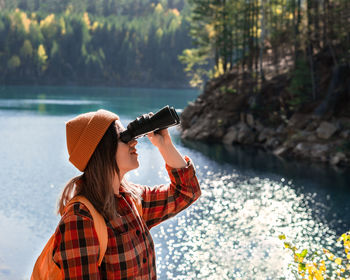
[96, 183]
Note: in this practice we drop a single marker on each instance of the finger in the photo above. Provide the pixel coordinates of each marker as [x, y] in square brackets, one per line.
[163, 131]
[133, 143]
[150, 134]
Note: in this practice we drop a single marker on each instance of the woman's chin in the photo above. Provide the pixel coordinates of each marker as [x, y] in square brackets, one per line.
[137, 164]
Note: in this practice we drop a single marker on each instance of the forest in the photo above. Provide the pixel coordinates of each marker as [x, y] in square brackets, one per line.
[176, 43]
[302, 46]
[105, 42]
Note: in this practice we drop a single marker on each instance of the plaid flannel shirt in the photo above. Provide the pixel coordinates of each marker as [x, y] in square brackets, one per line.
[130, 249]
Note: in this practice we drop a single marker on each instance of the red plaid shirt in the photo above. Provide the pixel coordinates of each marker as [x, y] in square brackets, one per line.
[130, 249]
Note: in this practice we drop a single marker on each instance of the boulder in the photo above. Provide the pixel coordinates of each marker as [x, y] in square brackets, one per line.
[231, 136]
[300, 135]
[311, 137]
[245, 134]
[281, 129]
[265, 134]
[199, 130]
[320, 151]
[242, 117]
[303, 135]
[345, 134]
[299, 121]
[312, 125]
[303, 149]
[281, 151]
[190, 115]
[326, 130]
[258, 126]
[338, 158]
[250, 120]
[219, 133]
[272, 143]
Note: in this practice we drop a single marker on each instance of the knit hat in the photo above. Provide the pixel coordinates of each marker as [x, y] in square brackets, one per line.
[84, 132]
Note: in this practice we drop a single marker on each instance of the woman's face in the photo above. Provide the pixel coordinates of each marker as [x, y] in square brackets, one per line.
[126, 155]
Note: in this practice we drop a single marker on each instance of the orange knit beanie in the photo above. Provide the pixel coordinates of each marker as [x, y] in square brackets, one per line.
[84, 132]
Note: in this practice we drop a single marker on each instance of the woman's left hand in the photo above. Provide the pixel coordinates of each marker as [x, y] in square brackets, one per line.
[160, 139]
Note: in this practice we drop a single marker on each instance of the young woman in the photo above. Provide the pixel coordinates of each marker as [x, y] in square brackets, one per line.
[95, 149]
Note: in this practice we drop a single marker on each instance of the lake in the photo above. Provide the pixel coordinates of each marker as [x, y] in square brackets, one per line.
[249, 197]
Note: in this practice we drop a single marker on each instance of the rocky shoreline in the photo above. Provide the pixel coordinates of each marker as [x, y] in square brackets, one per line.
[219, 115]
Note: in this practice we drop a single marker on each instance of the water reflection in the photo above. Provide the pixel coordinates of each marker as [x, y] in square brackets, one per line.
[75, 100]
[330, 184]
[232, 232]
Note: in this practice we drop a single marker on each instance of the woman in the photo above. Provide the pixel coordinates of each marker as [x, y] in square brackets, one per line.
[95, 149]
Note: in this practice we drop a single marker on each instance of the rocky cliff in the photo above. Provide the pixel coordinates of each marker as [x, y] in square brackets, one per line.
[229, 116]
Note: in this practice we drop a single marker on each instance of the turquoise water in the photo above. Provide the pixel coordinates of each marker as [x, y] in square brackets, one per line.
[231, 232]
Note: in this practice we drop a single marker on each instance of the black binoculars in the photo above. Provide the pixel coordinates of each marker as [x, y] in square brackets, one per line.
[164, 118]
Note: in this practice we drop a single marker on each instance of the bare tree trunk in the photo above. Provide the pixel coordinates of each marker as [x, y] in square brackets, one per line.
[217, 39]
[250, 37]
[333, 93]
[262, 40]
[297, 31]
[309, 50]
[244, 51]
[225, 39]
[325, 22]
[256, 41]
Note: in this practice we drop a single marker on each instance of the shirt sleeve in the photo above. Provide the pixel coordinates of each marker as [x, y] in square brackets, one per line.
[76, 247]
[164, 201]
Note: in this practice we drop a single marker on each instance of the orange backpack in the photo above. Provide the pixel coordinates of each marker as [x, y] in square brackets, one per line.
[46, 269]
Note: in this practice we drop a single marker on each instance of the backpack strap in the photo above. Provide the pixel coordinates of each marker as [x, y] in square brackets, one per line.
[99, 224]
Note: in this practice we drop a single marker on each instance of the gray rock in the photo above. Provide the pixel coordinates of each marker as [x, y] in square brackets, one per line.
[219, 133]
[345, 134]
[185, 134]
[193, 120]
[258, 126]
[300, 135]
[242, 117]
[311, 137]
[281, 129]
[281, 151]
[199, 130]
[320, 151]
[299, 121]
[338, 158]
[303, 149]
[265, 134]
[190, 115]
[326, 130]
[245, 134]
[250, 120]
[272, 143]
[312, 125]
[231, 136]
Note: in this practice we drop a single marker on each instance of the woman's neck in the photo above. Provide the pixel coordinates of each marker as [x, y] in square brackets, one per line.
[117, 183]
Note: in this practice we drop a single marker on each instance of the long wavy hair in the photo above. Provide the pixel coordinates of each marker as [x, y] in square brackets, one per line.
[96, 183]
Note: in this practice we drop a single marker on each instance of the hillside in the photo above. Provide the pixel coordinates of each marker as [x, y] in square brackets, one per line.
[316, 129]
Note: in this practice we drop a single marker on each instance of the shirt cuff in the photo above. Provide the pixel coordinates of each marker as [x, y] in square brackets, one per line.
[188, 171]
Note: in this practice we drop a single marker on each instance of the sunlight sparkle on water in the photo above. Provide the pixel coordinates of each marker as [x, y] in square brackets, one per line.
[232, 231]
